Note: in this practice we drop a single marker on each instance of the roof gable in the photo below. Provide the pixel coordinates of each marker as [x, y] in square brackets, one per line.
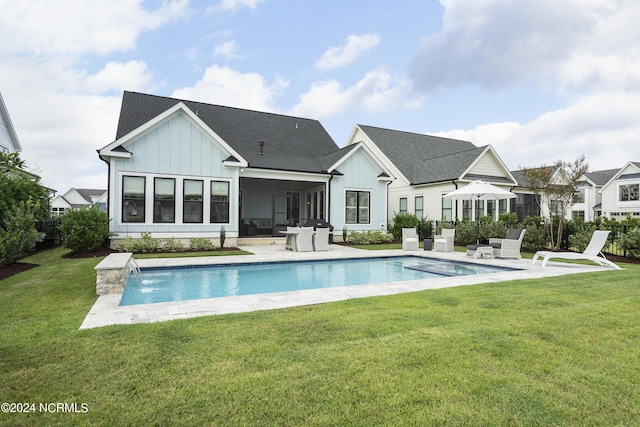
[8, 135]
[424, 159]
[631, 168]
[289, 143]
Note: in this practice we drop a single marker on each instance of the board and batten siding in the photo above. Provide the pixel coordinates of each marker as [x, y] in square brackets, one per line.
[360, 174]
[176, 148]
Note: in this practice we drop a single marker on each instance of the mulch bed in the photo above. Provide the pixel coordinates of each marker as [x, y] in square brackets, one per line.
[15, 268]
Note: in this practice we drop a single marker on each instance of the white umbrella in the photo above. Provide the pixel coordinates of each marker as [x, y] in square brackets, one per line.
[479, 190]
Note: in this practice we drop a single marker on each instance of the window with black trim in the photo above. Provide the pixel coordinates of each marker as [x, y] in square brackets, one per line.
[133, 198]
[629, 193]
[403, 205]
[420, 207]
[164, 200]
[219, 202]
[193, 201]
[357, 207]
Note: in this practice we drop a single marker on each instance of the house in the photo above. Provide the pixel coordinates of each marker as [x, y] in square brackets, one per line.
[9, 142]
[621, 193]
[185, 169]
[587, 203]
[426, 167]
[78, 198]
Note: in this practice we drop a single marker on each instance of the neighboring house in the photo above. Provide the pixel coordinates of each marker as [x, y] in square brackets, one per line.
[587, 203]
[78, 198]
[186, 169]
[621, 193]
[427, 167]
[9, 142]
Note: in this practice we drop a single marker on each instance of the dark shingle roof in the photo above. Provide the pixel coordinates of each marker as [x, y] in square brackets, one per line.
[290, 143]
[424, 158]
[88, 193]
[600, 178]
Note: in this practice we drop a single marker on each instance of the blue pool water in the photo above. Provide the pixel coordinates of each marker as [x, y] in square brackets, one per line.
[196, 282]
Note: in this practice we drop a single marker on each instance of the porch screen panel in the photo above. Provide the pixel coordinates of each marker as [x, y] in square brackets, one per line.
[193, 201]
[133, 198]
[219, 202]
[164, 200]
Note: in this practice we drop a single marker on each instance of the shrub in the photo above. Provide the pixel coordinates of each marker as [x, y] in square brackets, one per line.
[535, 237]
[401, 221]
[490, 229]
[581, 238]
[630, 242]
[369, 237]
[466, 232]
[18, 238]
[172, 245]
[145, 244]
[201, 244]
[425, 228]
[84, 230]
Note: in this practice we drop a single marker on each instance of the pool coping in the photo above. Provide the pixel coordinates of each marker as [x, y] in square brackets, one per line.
[106, 310]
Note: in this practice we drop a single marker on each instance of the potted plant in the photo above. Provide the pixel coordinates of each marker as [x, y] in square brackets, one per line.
[425, 231]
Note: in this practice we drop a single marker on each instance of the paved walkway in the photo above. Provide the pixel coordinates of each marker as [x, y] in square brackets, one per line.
[106, 310]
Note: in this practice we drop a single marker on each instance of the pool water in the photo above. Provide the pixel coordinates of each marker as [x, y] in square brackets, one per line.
[196, 282]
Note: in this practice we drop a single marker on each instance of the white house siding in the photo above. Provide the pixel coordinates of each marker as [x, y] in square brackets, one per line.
[6, 145]
[612, 207]
[175, 149]
[359, 174]
[432, 198]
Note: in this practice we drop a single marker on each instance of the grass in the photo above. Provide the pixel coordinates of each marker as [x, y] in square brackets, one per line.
[559, 351]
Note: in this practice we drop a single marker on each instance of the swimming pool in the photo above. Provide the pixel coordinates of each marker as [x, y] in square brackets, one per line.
[197, 282]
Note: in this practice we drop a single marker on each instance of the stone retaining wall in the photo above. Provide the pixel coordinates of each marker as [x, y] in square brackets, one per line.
[112, 273]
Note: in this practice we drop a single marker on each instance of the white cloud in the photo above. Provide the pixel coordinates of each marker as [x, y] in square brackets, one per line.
[234, 5]
[224, 86]
[45, 28]
[117, 76]
[227, 49]
[377, 91]
[496, 43]
[603, 127]
[356, 46]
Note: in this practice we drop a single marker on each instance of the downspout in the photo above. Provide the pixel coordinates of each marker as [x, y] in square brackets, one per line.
[454, 182]
[329, 198]
[108, 186]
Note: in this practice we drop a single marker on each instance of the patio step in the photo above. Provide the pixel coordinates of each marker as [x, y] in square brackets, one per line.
[254, 241]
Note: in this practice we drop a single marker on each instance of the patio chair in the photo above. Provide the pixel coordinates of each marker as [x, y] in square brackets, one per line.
[444, 242]
[409, 239]
[304, 241]
[321, 239]
[509, 247]
[591, 253]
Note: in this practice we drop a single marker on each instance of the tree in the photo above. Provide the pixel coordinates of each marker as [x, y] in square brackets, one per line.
[555, 186]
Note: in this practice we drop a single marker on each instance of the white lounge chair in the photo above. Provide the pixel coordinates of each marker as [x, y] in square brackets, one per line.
[321, 239]
[304, 241]
[591, 253]
[444, 242]
[509, 247]
[409, 239]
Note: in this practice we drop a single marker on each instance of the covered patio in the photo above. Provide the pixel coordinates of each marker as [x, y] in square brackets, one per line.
[268, 206]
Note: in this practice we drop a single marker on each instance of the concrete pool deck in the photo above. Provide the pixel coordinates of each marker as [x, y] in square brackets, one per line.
[106, 310]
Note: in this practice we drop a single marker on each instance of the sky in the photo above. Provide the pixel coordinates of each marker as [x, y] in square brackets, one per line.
[539, 80]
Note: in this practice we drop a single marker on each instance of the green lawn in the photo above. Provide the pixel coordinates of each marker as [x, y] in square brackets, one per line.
[559, 351]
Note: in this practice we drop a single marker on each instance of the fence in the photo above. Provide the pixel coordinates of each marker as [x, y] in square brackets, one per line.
[53, 236]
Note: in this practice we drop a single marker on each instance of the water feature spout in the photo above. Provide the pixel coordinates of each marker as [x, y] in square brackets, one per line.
[132, 267]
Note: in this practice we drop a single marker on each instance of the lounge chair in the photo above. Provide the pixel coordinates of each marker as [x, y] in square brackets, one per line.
[444, 242]
[591, 253]
[321, 239]
[409, 239]
[509, 247]
[304, 241]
